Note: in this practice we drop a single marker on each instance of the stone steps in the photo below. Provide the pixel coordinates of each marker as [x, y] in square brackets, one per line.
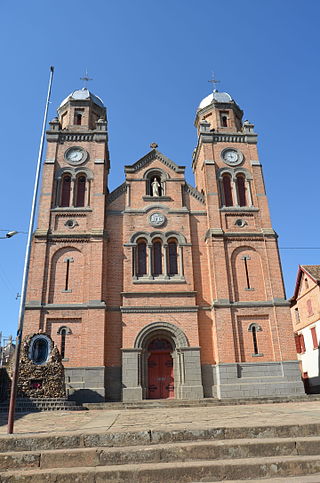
[244, 469]
[213, 454]
[163, 403]
[210, 450]
[26, 405]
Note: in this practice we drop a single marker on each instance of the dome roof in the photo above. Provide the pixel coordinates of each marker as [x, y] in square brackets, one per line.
[215, 96]
[82, 94]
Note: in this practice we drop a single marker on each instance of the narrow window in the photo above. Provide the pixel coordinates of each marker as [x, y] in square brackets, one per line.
[63, 333]
[226, 181]
[300, 345]
[314, 338]
[254, 338]
[306, 283]
[254, 328]
[65, 190]
[224, 119]
[241, 191]
[80, 191]
[296, 311]
[309, 308]
[245, 259]
[141, 258]
[77, 117]
[67, 274]
[157, 258]
[173, 257]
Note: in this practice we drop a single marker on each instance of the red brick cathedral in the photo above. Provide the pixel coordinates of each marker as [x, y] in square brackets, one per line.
[159, 289]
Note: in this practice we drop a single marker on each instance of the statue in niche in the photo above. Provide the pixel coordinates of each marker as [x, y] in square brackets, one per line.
[155, 187]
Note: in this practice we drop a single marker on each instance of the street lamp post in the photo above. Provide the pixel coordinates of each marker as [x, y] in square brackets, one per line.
[14, 381]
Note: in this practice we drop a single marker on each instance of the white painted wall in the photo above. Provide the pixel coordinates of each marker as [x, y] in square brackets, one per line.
[310, 359]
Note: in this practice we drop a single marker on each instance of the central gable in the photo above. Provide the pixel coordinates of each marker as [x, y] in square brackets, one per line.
[153, 156]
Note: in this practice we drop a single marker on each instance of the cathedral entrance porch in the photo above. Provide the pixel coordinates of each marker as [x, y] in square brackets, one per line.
[162, 365]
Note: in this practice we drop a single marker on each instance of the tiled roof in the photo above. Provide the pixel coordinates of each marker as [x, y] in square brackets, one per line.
[312, 270]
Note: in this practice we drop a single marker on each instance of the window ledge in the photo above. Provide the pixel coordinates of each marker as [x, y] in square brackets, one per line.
[156, 198]
[257, 355]
[238, 208]
[249, 289]
[71, 208]
[161, 280]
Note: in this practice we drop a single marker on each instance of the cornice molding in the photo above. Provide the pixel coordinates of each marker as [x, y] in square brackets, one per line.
[158, 310]
[90, 305]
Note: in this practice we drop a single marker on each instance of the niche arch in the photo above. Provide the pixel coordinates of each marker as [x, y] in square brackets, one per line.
[66, 276]
[247, 274]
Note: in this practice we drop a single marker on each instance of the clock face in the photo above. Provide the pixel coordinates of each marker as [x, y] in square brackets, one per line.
[231, 156]
[75, 155]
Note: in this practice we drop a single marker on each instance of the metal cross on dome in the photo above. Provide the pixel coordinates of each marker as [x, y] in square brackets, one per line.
[213, 82]
[86, 78]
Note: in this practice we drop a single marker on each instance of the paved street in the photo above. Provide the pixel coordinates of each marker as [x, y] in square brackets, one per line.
[117, 420]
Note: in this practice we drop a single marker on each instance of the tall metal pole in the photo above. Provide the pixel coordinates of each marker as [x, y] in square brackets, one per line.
[15, 375]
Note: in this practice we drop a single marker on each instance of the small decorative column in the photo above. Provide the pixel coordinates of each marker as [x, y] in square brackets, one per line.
[165, 261]
[248, 192]
[149, 261]
[180, 256]
[72, 191]
[234, 193]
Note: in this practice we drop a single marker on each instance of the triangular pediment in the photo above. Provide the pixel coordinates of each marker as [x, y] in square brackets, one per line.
[152, 156]
[310, 271]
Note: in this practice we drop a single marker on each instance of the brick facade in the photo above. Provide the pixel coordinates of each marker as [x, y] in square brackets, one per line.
[165, 263]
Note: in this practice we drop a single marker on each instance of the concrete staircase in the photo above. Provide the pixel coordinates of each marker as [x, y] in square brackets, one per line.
[214, 454]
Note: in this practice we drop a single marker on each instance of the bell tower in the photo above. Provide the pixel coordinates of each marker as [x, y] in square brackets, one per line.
[64, 300]
[252, 333]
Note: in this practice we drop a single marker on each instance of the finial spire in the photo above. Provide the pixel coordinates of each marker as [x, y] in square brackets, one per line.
[86, 78]
[213, 82]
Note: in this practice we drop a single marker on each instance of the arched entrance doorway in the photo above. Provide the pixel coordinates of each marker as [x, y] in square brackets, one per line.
[160, 369]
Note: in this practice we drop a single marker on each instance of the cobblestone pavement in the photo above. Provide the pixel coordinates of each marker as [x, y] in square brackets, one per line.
[116, 420]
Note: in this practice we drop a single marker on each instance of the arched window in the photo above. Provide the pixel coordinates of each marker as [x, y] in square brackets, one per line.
[65, 190]
[78, 117]
[254, 328]
[80, 190]
[156, 258]
[227, 190]
[241, 190]
[63, 331]
[141, 258]
[173, 257]
[224, 119]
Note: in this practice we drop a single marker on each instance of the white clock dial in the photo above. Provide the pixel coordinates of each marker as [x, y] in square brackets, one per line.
[75, 155]
[232, 156]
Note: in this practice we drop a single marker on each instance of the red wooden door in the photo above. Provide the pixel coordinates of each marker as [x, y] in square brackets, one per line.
[160, 375]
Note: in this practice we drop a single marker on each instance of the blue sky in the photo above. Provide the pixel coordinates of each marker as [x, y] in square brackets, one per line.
[151, 62]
